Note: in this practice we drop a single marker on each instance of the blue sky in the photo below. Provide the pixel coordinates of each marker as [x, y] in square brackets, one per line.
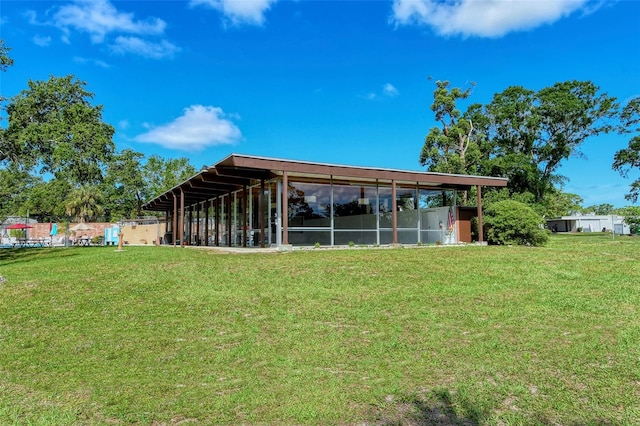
[330, 81]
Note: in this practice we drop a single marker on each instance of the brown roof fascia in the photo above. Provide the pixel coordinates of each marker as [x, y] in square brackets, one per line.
[241, 161]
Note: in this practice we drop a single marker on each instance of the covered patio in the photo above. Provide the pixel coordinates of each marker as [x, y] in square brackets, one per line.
[251, 201]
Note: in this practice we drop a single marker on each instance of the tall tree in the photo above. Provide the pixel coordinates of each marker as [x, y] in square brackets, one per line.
[446, 148]
[124, 185]
[161, 175]
[533, 132]
[53, 128]
[628, 159]
[5, 62]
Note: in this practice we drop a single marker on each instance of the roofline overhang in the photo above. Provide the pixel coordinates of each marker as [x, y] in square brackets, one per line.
[237, 171]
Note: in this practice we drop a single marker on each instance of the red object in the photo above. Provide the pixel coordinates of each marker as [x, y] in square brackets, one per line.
[19, 226]
[450, 221]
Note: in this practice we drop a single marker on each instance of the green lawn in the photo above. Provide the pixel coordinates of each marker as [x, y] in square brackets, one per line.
[417, 336]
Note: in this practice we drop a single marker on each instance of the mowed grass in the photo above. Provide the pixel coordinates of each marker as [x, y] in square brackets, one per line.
[417, 336]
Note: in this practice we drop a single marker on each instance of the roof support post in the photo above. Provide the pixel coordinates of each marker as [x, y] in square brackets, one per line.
[245, 215]
[190, 225]
[174, 225]
[216, 213]
[285, 208]
[199, 207]
[181, 219]
[261, 213]
[166, 225]
[206, 222]
[229, 219]
[480, 230]
[394, 213]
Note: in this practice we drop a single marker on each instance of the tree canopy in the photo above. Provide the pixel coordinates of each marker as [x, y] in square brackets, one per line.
[628, 159]
[522, 134]
[53, 128]
[58, 158]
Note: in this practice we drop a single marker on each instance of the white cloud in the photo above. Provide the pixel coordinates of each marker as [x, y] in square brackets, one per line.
[390, 90]
[239, 12]
[141, 47]
[485, 18]
[99, 18]
[96, 62]
[104, 23]
[199, 127]
[42, 41]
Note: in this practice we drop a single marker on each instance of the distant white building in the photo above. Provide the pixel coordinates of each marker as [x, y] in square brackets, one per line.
[589, 223]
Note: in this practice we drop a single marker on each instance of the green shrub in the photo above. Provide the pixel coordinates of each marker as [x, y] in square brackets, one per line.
[512, 222]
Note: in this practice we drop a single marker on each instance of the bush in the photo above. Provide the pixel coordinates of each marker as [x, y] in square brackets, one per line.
[512, 222]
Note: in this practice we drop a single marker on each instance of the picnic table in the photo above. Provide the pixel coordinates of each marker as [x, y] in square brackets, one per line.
[83, 241]
[31, 242]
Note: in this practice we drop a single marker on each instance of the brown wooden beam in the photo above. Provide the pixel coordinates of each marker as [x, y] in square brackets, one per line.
[285, 208]
[480, 230]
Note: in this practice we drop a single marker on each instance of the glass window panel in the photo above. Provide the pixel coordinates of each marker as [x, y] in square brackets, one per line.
[309, 204]
[407, 206]
[432, 237]
[386, 236]
[384, 206]
[431, 198]
[407, 236]
[354, 207]
[309, 237]
[357, 237]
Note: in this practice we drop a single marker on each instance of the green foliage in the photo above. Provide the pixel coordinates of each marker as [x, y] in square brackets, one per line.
[600, 209]
[513, 222]
[124, 186]
[556, 203]
[85, 203]
[628, 159]
[14, 191]
[631, 217]
[533, 132]
[161, 175]
[54, 128]
[521, 134]
[447, 150]
[5, 59]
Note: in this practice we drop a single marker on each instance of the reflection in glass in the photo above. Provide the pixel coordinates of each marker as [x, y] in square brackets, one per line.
[354, 207]
[309, 204]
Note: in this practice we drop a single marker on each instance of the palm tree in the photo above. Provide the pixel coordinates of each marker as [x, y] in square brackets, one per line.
[85, 202]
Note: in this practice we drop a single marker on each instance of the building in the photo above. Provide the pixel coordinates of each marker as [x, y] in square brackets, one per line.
[255, 201]
[589, 223]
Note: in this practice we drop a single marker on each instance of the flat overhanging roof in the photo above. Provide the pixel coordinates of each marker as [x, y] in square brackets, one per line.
[237, 171]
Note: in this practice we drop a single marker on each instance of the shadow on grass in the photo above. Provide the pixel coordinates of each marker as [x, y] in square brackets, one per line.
[27, 254]
[435, 409]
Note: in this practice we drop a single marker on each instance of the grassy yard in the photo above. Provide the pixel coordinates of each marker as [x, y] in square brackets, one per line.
[430, 335]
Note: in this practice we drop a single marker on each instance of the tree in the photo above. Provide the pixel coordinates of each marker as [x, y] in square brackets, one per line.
[43, 200]
[161, 175]
[14, 191]
[533, 132]
[629, 158]
[5, 62]
[85, 203]
[631, 217]
[53, 128]
[5, 59]
[447, 149]
[600, 209]
[124, 185]
[556, 203]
